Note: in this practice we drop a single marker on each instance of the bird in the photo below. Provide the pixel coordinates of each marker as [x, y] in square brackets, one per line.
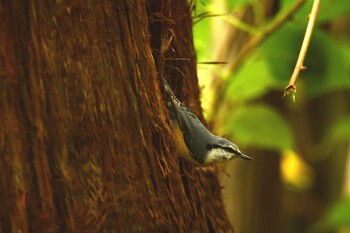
[194, 141]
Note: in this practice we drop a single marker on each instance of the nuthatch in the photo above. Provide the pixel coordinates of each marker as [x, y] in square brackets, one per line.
[194, 140]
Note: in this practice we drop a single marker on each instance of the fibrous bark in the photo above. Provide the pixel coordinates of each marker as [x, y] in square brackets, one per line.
[85, 144]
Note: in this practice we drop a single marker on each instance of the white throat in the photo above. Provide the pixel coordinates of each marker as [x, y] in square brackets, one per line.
[217, 155]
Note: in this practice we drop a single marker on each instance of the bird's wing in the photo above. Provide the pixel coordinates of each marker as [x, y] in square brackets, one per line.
[181, 113]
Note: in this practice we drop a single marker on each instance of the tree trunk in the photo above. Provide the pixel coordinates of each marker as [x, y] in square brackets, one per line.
[85, 144]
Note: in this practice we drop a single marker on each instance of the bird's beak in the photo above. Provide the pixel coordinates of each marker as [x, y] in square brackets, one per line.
[243, 156]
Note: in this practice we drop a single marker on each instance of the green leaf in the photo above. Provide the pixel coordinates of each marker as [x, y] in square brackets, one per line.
[325, 62]
[326, 66]
[251, 81]
[341, 130]
[201, 34]
[260, 126]
[339, 215]
[236, 3]
[281, 52]
[328, 10]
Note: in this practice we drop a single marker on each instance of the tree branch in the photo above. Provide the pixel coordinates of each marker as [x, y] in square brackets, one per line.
[291, 88]
[279, 20]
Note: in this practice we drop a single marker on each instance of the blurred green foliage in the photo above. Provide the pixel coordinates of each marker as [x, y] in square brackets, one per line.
[270, 131]
[340, 131]
[324, 60]
[338, 217]
[269, 67]
[257, 73]
[329, 9]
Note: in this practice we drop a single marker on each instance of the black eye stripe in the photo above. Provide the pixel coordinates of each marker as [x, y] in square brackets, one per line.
[229, 149]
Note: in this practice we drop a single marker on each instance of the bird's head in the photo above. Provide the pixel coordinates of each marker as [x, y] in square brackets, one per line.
[221, 149]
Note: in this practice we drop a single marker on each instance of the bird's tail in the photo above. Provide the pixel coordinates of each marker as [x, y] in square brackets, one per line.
[170, 92]
[167, 87]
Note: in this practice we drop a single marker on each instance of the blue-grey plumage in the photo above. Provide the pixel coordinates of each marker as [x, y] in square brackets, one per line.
[203, 146]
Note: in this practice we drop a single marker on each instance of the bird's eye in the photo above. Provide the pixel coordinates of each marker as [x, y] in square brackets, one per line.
[231, 150]
[209, 146]
[227, 148]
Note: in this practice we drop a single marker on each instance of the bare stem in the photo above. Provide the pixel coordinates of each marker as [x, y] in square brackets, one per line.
[291, 88]
[254, 41]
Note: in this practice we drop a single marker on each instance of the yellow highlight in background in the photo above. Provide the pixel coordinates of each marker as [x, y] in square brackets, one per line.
[295, 171]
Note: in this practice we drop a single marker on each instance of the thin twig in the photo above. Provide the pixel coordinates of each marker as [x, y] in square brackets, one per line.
[212, 62]
[291, 88]
[257, 39]
[253, 42]
[200, 17]
[233, 20]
